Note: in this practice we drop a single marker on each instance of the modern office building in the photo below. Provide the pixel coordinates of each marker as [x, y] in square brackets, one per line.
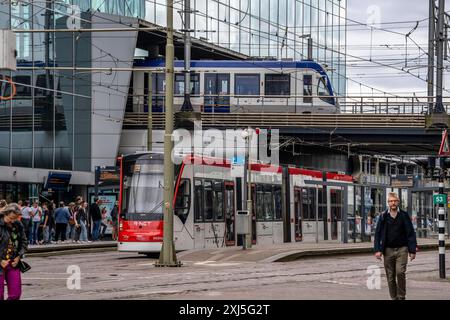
[72, 87]
[269, 28]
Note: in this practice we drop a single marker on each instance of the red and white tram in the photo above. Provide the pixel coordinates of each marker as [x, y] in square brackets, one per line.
[207, 196]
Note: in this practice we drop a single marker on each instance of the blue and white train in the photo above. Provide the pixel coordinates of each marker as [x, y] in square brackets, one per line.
[242, 86]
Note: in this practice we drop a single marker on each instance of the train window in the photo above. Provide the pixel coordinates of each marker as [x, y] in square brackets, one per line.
[198, 200]
[159, 89]
[246, 84]
[44, 81]
[158, 83]
[208, 200]
[322, 89]
[277, 85]
[217, 83]
[277, 203]
[183, 200]
[307, 88]
[179, 84]
[22, 91]
[218, 200]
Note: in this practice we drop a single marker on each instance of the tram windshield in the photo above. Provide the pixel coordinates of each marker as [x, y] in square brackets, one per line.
[144, 192]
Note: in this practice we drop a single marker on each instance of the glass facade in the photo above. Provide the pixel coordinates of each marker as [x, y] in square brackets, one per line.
[48, 123]
[269, 28]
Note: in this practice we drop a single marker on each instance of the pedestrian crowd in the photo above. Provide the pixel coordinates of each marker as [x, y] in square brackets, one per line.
[26, 223]
[75, 222]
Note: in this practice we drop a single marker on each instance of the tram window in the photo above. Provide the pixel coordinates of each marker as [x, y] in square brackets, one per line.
[208, 200]
[246, 84]
[183, 200]
[229, 201]
[198, 200]
[179, 84]
[259, 202]
[322, 204]
[336, 203]
[308, 204]
[268, 203]
[277, 85]
[307, 88]
[218, 200]
[278, 203]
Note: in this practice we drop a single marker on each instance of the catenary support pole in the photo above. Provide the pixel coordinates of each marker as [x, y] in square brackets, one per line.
[431, 43]
[440, 59]
[149, 115]
[167, 256]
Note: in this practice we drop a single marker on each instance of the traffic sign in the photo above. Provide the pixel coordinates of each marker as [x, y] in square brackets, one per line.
[440, 199]
[444, 149]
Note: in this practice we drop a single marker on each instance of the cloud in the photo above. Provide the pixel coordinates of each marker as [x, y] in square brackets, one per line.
[387, 46]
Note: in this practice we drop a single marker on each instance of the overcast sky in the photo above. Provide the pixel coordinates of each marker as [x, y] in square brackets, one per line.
[386, 47]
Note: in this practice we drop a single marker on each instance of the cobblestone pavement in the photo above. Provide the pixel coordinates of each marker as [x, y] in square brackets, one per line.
[114, 275]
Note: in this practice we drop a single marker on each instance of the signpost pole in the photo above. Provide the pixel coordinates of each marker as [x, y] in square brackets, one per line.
[441, 216]
[444, 150]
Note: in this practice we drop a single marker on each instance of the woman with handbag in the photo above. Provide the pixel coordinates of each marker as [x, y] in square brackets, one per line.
[13, 244]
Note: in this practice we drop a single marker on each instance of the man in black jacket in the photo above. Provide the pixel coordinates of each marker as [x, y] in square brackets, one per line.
[96, 217]
[395, 238]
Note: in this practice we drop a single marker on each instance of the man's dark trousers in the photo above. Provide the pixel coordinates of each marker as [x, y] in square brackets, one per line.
[395, 261]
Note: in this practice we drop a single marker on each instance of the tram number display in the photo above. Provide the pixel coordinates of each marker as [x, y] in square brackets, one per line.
[440, 199]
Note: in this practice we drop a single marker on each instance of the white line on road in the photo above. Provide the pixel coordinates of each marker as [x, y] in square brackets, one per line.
[211, 263]
[338, 282]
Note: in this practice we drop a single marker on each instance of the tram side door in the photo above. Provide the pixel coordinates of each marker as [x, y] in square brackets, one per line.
[217, 92]
[298, 214]
[199, 218]
[254, 229]
[230, 234]
[336, 204]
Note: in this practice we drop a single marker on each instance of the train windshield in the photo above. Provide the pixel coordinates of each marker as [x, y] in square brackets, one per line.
[323, 92]
[144, 192]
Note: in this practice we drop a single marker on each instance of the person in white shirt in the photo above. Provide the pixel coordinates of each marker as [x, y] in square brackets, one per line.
[26, 218]
[37, 216]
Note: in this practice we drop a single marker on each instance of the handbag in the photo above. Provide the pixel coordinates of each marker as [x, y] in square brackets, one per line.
[23, 266]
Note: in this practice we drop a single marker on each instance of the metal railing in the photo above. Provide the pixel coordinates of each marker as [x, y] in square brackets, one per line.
[389, 105]
[299, 103]
[135, 120]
